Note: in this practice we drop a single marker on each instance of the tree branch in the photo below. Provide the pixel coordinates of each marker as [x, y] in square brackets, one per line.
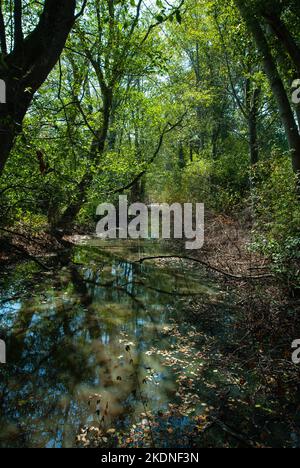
[158, 23]
[207, 265]
[18, 32]
[81, 12]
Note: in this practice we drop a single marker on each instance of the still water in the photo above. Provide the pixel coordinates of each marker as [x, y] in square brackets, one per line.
[97, 342]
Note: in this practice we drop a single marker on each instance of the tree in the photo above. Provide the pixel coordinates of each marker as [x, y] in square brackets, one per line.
[121, 52]
[26, 64]
[255, 26]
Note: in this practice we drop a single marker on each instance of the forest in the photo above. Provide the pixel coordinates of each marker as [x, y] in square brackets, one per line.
[115, 341]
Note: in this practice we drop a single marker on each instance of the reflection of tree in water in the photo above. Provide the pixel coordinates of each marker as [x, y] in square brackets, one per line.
[48, 365]
[69, 346]
[120, 382]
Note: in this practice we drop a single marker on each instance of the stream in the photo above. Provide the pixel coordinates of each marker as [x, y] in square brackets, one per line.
[107, 342]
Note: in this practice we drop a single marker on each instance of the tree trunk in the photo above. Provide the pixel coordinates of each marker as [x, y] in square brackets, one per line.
[181, 158]
[252, 99]
[254, 152]
[7, 137]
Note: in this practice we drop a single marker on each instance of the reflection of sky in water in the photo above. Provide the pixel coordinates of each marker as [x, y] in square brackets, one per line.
[8, 314]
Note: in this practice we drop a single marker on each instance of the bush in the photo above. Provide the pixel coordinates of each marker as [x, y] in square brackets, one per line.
[277, 226]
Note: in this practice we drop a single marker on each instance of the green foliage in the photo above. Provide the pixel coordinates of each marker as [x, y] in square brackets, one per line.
[278, 218]
[196, 60]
